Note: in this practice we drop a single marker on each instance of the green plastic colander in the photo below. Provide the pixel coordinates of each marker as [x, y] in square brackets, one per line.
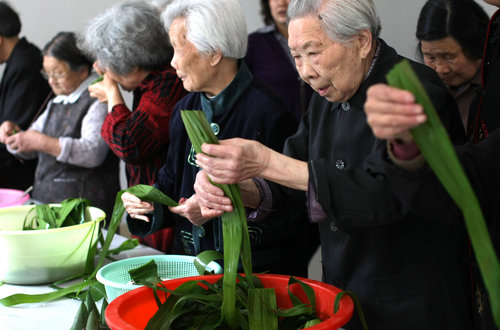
[117, 281]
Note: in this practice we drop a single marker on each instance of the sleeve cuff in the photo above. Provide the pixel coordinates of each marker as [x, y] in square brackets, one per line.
[65, 143]
[405, 156]
[265, 205]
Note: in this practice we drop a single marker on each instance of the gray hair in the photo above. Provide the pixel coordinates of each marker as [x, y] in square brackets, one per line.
[128, 35]
[340, 19]
[214, 25]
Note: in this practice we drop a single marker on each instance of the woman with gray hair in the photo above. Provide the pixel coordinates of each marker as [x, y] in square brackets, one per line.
[209, 40]
[132, 50]
[408, 271]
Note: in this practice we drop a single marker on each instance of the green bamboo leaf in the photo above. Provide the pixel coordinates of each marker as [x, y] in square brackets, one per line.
[145, 193]
[312, 323]
[81, 318]
[168, 311]
[357, 306]
[129, 244]
[103, 312]
[204, 258]
[234, 226]
[262, 309]
[147, 273]
[311, 296]
[93, 322]
[90, 303]
[99, 79]
[21, 298]
[436, 147]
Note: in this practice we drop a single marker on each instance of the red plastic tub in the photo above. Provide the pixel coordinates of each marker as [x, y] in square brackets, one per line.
[12, 197]
[133, 309]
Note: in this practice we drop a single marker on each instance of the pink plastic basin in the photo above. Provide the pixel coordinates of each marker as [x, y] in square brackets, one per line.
[12, 197]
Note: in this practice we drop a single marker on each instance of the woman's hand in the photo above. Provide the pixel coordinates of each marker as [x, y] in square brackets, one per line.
[392, 112]
[136, 208]
[190, 209]
[107, 90]
[7, 129]
[233, 160]
[210, 198]
[104, 89]
[27, 141]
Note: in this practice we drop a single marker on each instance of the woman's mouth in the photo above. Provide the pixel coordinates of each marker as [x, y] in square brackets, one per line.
[322, 91]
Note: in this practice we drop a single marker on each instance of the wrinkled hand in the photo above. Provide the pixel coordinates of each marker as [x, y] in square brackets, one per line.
[211, 199]
[392, 112]
[26, 141]
[135, 207]
[103, 90]
[190, 209]
[233, 160]
[7, 129]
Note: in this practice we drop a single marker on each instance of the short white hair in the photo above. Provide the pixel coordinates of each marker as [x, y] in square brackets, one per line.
[212, 25]
[340, 19]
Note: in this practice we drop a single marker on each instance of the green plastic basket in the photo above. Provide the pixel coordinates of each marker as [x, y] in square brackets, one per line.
[117, 281]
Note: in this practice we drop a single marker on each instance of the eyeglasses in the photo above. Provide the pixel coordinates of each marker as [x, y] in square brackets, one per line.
[54, 75]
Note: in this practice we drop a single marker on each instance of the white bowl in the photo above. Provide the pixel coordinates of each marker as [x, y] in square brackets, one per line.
[43, 256]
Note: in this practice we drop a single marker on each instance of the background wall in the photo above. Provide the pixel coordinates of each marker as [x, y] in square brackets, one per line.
[43, 19]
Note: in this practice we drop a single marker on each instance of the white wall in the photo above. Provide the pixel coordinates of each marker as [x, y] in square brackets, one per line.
[43, 19]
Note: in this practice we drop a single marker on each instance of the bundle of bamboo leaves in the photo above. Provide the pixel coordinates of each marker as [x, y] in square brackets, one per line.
[71, 211]
[236, 244]
[435, 145]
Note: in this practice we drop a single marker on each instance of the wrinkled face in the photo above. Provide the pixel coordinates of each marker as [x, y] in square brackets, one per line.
[192, 67]
[62, 80]
[332, 69]
[278, 10]
[446, 57]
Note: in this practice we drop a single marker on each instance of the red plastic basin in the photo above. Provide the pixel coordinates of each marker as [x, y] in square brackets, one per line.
[133, 309]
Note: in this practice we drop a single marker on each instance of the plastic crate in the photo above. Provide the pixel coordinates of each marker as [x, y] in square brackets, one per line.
[117, 281]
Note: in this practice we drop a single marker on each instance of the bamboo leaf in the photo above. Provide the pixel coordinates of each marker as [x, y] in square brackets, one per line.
[262, 309]
[93, 322]
[204, 258]
[357, 306]
[436, 147]
[129, 244]
[81, 318]
[234, 226]
[21, 298]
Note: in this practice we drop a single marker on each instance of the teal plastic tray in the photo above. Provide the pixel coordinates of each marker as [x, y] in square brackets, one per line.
[117, 281]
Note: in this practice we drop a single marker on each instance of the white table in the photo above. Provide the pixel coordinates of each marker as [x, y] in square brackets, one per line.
[53, 315]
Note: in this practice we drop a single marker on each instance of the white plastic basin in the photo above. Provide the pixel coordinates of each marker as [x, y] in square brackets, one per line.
[43, 256]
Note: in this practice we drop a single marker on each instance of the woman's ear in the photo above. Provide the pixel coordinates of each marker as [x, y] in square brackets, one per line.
[215, 58]
[365, 40]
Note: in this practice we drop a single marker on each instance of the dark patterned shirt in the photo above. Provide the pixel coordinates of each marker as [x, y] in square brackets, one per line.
[140, 138]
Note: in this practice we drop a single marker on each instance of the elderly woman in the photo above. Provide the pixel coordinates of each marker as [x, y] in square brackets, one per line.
[392, 112]
[73, 159]
[132, 50]
[209, 40]
[454, 49]
[406, 270]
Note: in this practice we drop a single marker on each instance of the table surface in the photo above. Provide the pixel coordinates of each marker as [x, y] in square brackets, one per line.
[53, 315]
